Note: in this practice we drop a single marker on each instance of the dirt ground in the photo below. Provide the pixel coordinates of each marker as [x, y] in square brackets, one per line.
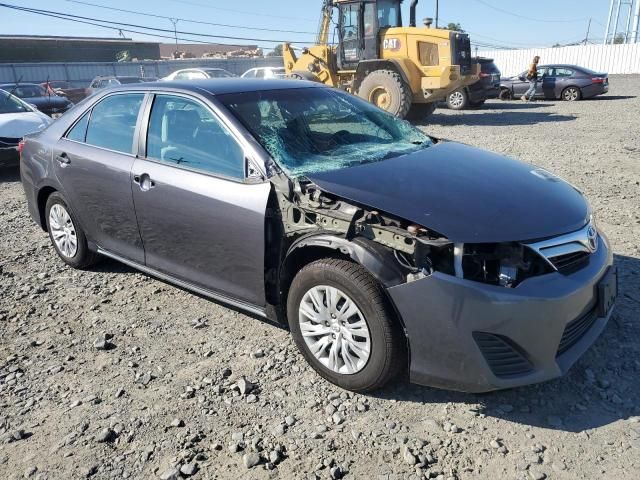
[167, 397]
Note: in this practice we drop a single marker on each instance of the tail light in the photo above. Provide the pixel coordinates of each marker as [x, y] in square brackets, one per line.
[21, 146]
[598, 80]
[484, 75]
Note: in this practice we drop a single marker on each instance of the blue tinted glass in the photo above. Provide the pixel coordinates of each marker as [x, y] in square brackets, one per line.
[185, 132]
[79, 131]
[113, 122]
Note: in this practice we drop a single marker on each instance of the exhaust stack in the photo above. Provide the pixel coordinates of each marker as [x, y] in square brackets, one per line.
[412, 13]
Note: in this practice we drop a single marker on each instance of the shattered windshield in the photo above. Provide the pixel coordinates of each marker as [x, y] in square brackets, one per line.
[311, 130]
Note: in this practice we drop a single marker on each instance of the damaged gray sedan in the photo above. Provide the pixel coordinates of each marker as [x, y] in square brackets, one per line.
[382, 248]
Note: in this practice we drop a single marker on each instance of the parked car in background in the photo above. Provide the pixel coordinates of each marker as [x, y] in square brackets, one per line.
[32, 93]
[99, 83]
[474, 95]
[265, 72]
[17, 119]
[198, 74]
[64, 89]
[383, 248]
[566, 82]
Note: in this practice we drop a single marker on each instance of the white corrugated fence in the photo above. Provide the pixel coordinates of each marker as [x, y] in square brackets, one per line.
[612, 59]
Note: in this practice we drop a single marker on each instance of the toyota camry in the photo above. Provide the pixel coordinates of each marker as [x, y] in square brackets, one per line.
[383, 249]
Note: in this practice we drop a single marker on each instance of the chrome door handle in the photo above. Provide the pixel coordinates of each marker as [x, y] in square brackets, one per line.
[63, 159]
[144, 182]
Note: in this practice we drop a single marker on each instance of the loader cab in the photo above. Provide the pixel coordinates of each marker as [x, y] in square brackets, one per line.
[359, 26]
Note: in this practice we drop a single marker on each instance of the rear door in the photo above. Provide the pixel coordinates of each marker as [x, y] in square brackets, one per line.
[201, 219]
[93, 163]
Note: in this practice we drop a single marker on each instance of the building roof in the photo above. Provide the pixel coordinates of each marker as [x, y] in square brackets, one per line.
[198, 50]
[72, 39]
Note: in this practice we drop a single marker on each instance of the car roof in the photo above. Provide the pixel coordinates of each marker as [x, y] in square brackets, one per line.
[222, 86]
[21, 84]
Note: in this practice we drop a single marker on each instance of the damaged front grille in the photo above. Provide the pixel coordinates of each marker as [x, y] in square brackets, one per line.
[504, 357]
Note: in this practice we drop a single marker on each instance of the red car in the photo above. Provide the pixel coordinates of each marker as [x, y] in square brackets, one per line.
[65, 89]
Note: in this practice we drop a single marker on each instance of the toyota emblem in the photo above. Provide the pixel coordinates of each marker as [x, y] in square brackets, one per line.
[592, 237]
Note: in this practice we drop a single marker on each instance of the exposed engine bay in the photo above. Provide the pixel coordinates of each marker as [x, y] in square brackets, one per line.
[305, 210]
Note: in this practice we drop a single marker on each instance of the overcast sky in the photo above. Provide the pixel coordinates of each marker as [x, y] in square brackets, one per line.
[488, 21]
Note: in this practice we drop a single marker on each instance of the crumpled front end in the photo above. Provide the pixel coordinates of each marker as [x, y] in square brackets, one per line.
[471, 336]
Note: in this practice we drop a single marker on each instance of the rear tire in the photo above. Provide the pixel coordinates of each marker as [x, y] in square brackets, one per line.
[571, 94]
[385, 352]
[458, 100]
[421, 111]
[505, 94]
[387, 90]
[67, 237]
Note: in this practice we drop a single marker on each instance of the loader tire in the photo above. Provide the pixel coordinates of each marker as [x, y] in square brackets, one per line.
[387, 90]
[419, 112]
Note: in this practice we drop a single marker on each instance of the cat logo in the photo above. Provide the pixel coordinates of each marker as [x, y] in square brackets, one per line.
[393, 44]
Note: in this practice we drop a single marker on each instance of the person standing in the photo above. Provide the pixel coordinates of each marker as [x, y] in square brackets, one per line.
[532, 76]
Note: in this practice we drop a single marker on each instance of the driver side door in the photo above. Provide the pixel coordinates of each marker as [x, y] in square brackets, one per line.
[202, 220]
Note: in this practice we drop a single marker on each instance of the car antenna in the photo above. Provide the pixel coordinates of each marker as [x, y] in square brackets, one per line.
[13, 90]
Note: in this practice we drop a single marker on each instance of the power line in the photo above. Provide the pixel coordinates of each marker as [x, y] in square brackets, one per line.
[164, 30]
[259, 14]
[128, 30]
[507, 12]
[186, 20]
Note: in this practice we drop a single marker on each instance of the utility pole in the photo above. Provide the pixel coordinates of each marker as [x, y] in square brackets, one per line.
[175, 33]
[437, 11]
[586, 39]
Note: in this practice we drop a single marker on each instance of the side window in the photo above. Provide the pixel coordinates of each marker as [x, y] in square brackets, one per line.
[197, 76]
[181, 76]
[260, 73]
[102, 84]
[185, 132]
[79, 130]
[95, 84]
[250, 74]
[113, 122]
[563, 72]
[429, 55]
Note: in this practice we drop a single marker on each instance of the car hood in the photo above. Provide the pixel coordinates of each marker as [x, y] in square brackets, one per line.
[466, 194]
[17, 125]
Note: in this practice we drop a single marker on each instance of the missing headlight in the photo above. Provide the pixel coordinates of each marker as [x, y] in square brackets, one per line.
[504, 264]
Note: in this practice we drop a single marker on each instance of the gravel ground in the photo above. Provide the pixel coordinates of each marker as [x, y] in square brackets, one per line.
[111, 374]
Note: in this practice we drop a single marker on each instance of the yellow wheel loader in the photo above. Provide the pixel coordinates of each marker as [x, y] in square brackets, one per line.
[403, 70]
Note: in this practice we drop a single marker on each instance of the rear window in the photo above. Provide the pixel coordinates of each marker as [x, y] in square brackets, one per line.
[489, 67]
[125, 81]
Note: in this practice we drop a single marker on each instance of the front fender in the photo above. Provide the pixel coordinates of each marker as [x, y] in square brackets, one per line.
[378, 260]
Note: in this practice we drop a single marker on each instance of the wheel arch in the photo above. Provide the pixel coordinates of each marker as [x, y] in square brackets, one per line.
[365, 67]
[41, 203]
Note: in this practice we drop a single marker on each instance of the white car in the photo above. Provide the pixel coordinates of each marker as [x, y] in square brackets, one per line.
[265, 72]
[198, 74]
[17, 119]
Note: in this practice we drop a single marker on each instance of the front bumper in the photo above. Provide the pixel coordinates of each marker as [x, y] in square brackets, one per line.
[9, 156]
[463, 335]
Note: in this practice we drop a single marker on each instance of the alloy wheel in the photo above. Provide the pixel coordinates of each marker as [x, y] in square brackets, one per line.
[63, 231]
[571, 94]
[334, 329]
[456, 99]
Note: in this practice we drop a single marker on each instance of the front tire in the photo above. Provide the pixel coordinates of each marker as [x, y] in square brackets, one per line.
[67, 237]
[571, 94]
[341, 323]
[387, 90]
[458, 100]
